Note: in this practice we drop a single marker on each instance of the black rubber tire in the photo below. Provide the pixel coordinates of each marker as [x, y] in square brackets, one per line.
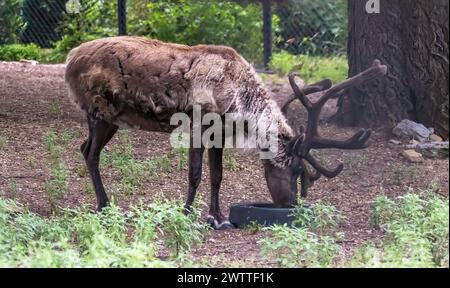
[243, 215]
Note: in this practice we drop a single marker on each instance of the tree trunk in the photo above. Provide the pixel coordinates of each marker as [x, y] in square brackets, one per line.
[411, 37]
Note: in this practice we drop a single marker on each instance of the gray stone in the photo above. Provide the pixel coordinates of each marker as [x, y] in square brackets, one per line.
[395, 142]
[431, 149]
[411, 130]
[436, 138]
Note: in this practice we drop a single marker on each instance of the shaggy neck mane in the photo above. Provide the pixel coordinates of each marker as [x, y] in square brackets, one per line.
[254, 101]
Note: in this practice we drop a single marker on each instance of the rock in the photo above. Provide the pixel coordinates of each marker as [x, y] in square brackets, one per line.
[413, 156]
[436, 138]
[431, 149]
[411, 130]
[395, 142]
[430, 154]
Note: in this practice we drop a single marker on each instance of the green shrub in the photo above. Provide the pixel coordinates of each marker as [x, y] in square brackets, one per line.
[11, 22]
[201, 21]
[17, 52]
[313, 27]
[180, 21]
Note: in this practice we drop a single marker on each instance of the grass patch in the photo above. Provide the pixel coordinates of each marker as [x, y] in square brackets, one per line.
[230, 160]
[404, 175]
[3, 142]
[415, 227]
[416, 233]
[310, 68]
[13, 189]
[57, 186]
[133, 172]
[113, 238]
[312, 244]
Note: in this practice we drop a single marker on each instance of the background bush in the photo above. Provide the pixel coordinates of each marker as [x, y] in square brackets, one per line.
[17, 52]
[300, 26]
[11, 21]
[313, 27]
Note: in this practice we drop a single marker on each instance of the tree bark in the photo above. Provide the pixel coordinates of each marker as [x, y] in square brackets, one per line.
[411, 38]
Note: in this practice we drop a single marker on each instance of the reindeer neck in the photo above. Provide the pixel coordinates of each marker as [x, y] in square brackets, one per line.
[254, 101]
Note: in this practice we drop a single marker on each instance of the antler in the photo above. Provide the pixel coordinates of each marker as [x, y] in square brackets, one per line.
[311, 138]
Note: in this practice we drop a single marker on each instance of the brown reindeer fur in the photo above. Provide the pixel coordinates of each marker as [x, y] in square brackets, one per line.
[140, 82]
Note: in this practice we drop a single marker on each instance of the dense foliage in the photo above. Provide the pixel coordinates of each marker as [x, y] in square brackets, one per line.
[310, 27]
[313, 27]
[11, 21]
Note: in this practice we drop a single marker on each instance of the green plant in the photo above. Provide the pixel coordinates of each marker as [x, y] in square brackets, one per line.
[17, 52]
[67, 136]
[79, 238]
[180, 231]
[312, 242]
[132, 171]
[404, 175]
[317, 217]
[202, 21]
[284, 63]
[417, 233]
[310, 68]
[255, 227]
[56, 187]
[52, 147]
[11, 22]
[13, 188]
[3, 142]
[230, 160]
[312, 27]
[294, 247]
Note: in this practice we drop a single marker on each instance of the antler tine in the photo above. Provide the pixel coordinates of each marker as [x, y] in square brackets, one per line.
[306, 90]
[307, 179]
[373, 72]
[324, 171]
[358, 141]
[299, 93]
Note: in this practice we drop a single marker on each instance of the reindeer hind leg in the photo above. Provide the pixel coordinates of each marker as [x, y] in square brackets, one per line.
[100, 132]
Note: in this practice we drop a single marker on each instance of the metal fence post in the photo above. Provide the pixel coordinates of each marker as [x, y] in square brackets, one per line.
[267, 31]
[122, 16]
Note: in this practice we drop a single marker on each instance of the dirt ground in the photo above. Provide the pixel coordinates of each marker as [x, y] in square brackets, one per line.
[33, 99]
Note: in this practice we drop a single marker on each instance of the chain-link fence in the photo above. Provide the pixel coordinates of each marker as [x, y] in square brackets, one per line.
[254, 27]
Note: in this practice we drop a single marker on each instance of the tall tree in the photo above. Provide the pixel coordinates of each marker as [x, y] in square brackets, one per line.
[411, 37]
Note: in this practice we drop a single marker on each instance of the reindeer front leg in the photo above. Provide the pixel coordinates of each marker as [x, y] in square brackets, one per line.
[195, 175]
[216, 218]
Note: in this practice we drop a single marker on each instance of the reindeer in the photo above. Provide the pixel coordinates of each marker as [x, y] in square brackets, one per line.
[140, 83]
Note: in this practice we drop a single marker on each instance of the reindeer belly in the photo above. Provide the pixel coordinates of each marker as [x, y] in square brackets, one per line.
[136, 121]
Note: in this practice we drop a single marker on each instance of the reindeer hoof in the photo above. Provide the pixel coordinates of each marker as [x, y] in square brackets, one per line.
[219, 225]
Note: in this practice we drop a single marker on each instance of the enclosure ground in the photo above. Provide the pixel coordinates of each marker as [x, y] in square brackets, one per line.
[34, 100]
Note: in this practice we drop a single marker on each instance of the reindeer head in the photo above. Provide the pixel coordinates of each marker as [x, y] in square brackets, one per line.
[282, 181]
